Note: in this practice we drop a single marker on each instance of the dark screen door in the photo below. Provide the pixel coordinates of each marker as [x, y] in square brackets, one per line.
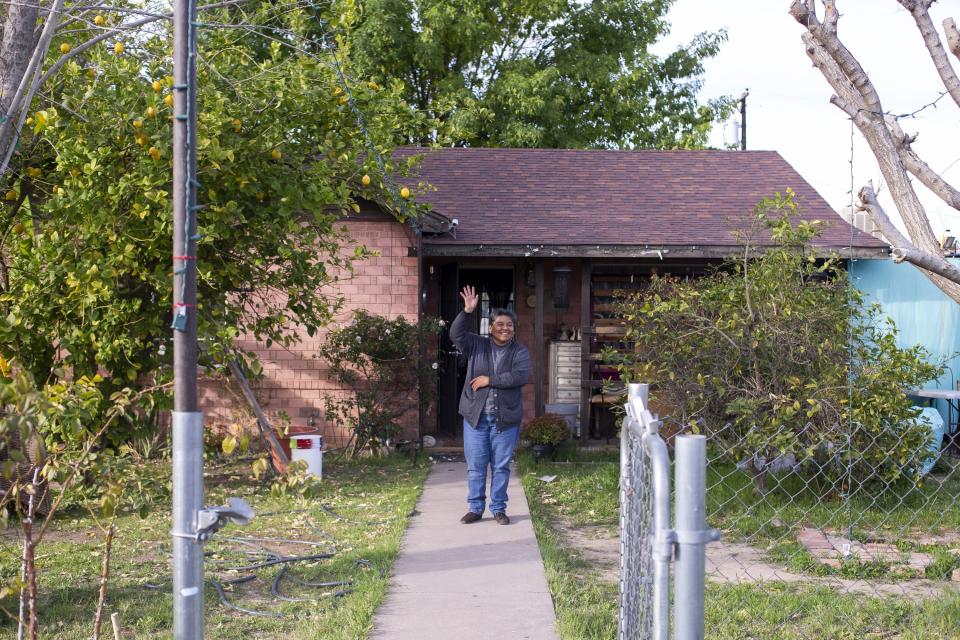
[448, 383]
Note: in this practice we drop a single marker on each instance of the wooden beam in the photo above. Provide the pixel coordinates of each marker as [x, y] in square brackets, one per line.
[586, 273]
[538, 343]
[651, 254]
[279, 457]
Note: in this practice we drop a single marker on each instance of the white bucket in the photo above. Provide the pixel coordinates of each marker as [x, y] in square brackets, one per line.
[310, 450]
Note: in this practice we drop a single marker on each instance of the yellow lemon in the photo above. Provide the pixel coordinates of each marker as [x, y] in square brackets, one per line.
[33, 172]
[151, 112]
[137, 123]
[236, 125]
[141, 139]
[118, 48]
[154, 153]
[404, 193]
[91, 73]
[168, 99]
[11, 195]
[157, 86]
[365, 180]
[29, 121]
[276, 154]
[59, 191]
[65, 48]
[99, 20]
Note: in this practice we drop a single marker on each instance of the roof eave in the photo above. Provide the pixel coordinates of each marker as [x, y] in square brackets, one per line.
[655, 252]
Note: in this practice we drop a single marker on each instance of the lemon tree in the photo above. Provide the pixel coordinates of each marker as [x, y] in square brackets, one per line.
[85, 278]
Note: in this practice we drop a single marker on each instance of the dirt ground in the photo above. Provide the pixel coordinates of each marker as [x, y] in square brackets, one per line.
[735, 563]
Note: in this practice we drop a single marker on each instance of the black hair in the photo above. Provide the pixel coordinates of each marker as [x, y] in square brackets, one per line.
[496, 313]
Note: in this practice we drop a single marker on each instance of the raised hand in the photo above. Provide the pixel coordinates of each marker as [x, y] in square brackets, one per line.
[470, 299]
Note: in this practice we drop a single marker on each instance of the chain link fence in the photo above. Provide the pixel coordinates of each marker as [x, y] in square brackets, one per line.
[834, 545]
[649, 545]
[828, 545]
[636, 536]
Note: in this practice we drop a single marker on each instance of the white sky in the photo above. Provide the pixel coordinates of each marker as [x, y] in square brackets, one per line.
[788, 109]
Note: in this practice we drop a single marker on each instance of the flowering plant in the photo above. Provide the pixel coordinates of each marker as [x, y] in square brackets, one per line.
[377, 362]
[549, 428]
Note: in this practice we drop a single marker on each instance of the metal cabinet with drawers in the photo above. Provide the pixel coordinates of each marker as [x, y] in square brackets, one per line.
[564, 371]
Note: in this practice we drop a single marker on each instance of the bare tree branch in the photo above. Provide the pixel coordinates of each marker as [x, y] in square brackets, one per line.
[834, 75]
[903, 249]
[919, 9]
[953, 36]
[916, 166]
[873, 127]
[826, 35]
[857, 97]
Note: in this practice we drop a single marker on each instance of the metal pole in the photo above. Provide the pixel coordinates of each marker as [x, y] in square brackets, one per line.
[743, 119]
[187, 550]
[692, 536]
[625, 472]
[662, 534]
[188, 592]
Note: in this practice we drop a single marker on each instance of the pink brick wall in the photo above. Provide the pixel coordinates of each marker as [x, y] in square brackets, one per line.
[294, 382]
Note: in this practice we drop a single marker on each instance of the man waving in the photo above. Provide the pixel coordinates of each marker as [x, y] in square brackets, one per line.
[491, 404]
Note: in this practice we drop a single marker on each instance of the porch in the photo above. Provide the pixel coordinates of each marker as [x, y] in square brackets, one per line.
[566, 318]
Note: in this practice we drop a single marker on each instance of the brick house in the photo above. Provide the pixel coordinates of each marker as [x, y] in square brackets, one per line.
[552, 234]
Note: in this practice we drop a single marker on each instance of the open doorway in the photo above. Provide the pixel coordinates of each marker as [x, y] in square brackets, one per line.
[495, 286]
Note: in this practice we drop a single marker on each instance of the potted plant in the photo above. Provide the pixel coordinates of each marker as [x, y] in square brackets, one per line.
[545, 433]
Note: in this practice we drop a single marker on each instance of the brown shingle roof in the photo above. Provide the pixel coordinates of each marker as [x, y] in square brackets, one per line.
[598, 197]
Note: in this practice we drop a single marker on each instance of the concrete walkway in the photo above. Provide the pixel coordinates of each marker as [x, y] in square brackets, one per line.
[477, 581]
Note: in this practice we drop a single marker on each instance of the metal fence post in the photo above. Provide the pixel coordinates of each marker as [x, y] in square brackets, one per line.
[188, 589]
[692, 536]
[662, 534]
[625, 573]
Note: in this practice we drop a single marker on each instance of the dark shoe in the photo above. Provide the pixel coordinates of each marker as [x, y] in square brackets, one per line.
[501, 518]
[470, 517]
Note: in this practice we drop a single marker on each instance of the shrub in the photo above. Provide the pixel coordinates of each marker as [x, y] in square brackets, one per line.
[376, 360]
[776, 357]
[549, 428]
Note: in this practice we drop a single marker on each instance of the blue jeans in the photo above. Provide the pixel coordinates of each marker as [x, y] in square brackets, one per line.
[485, 447]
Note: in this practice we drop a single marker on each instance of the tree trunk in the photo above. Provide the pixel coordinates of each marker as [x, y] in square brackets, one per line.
[19, 39]
[104, 580]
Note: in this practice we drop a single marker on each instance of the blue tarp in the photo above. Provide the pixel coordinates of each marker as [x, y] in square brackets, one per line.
[923, 314]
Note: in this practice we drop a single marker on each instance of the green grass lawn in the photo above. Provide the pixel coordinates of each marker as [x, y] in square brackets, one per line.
[359, 515]
[585, 603]
[585, 494]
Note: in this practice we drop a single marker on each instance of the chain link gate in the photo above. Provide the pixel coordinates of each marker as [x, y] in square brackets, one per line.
[648, 544]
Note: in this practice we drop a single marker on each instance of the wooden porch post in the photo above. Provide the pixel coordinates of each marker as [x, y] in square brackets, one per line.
[538, 344]
[586, 323]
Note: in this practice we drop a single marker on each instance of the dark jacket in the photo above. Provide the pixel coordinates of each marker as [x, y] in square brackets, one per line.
[507, 380]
